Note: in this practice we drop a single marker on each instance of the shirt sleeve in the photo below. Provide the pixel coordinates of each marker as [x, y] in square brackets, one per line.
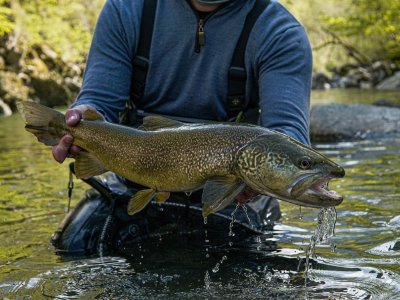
[107, 78]
[284, 73]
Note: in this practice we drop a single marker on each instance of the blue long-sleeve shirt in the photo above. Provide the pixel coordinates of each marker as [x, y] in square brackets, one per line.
[182, 82]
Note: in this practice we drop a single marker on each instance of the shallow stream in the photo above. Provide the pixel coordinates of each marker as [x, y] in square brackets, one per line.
[361, 261]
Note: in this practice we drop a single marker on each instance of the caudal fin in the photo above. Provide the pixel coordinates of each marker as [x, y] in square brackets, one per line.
[40, 120]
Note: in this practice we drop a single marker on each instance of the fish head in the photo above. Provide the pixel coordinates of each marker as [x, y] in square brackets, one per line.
[275, 164]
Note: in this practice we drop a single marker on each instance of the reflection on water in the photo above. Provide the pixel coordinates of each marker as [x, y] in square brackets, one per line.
[364, 265]
[353, 96]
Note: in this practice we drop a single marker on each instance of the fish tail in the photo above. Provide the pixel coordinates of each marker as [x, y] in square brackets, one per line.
[41, 120]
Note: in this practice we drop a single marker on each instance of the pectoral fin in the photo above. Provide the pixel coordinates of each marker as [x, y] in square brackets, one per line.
[87, 165]
[219, 192]
[140, 200]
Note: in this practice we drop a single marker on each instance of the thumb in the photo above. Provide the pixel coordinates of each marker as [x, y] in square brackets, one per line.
[73, 116]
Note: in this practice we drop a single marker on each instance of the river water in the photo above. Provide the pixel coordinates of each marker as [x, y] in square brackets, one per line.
[361, 261]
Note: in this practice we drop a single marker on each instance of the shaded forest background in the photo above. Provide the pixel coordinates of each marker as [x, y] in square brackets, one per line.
[44, 43]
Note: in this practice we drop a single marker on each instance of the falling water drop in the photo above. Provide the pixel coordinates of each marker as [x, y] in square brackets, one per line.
[325, 229]
[216, 268]
[207, 280]
[247, 215]
[233, 220]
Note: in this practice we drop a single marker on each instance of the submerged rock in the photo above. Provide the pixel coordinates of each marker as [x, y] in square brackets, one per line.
[356, 121]
[386, 249]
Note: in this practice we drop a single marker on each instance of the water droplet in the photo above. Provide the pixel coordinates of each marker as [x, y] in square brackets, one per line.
[205, 220]
[207, 255]
[233, 220]
[325, 229]
[244, 207]
[207, 280]
[300, 214]
[189, 193]
[216, 268]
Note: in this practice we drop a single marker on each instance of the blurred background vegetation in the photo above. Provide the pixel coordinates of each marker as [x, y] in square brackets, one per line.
[44, 43]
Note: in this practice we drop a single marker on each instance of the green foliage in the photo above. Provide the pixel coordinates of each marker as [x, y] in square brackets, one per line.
[334, 26]
[371, 26]
[6, 14]
[350, 31]
[64, 26]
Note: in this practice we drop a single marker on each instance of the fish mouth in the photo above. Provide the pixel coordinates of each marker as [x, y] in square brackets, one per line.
[313, 190]
[321, 189]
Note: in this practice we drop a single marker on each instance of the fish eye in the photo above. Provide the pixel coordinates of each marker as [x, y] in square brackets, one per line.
[305, 163]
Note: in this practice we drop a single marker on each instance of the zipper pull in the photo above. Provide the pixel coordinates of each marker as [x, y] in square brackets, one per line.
[200, 33]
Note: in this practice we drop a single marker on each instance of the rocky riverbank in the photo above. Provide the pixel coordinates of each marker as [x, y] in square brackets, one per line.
[380, 75]
[37, 74]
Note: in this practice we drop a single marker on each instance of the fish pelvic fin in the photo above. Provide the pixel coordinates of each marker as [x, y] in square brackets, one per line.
[139, 200]
[40, 121]
[87, 165]
[162, 196]
[219, 192]
[152, 123]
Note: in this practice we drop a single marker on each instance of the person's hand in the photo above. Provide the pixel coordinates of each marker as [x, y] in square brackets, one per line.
[246, 195]
[65, 147]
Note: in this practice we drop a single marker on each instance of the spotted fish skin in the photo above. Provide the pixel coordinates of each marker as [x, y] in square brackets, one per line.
[169, 156]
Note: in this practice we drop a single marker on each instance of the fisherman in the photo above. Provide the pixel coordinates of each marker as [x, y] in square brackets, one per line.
[179, 59]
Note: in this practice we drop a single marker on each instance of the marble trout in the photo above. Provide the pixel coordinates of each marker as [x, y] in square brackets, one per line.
[169, 156]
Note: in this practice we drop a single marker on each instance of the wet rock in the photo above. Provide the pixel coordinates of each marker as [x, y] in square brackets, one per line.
[51, 92]
[395, 222]
[12, 89]
[2, 63]
[5, 109]
[38, 74]
[362, 76]
[391, 83]
[396, 246]
[387, 249]
[385, 102]
[381, 70]
[12, 58]
[320, 81]
[357, 121]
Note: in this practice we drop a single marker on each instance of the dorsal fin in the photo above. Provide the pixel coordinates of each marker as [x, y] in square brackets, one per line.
[156, 122]
[92, 115]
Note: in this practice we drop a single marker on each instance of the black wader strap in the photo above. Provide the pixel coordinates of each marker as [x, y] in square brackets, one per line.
[237, 102]
[140, 63]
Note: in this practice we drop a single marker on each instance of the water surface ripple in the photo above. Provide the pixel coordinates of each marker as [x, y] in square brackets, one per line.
[365, 263]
